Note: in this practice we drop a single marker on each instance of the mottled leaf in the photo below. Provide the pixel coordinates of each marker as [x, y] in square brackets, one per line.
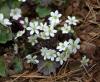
[43, 11]
[47, 67]
[5, 34]
[18, 65]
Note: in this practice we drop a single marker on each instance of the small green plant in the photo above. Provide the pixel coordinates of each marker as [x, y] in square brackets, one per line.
[39, 34]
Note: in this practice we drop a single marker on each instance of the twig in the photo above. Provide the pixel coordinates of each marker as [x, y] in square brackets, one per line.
[33, 76]
[17, 77]
[86, 70]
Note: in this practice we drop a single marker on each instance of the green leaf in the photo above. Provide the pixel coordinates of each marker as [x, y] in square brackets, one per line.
[2, 67]
[15, 3]
[5, 34]
[5, 10]
[48, 67]
[18, 65]
[43, 11]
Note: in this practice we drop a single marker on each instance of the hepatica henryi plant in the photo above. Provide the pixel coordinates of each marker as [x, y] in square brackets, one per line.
[50, 55]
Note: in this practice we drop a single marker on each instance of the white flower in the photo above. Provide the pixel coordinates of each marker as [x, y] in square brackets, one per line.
[54, 19]
[84, 60]
[50, 31]
[33, 39]
[74, 45]
[15, 13]
[61, 57]
[72, 20]
[7, 22]
[33, 27]
[43, 36]
[51, 54]
[31, 59]
[22, 0]
[19, 33]
[66, 29]
[44, 52]
[48, 54]
[63, 46]
[4, 21]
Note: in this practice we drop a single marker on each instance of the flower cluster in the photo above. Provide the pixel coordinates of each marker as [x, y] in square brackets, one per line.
[4, 21]
[44, 30]
[65, 50]
[40, 33]
[70, 46]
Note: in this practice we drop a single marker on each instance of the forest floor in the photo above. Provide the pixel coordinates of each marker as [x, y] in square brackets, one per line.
[88, 31]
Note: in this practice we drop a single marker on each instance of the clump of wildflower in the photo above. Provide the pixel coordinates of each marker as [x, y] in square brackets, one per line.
[54, 19]
[67, 48]
[71, 45]
[33, 39]
[72, 20]
[48, 54]
[31, 59]
[84, 61]
[15, 13]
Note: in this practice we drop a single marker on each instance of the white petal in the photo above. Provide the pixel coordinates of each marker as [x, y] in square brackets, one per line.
[73, 18]
[61, 62]
[28, 61]
[52, 13]
[29, 28]
[69, 18]
[52, 58]
[31, 32]
[57, 59]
